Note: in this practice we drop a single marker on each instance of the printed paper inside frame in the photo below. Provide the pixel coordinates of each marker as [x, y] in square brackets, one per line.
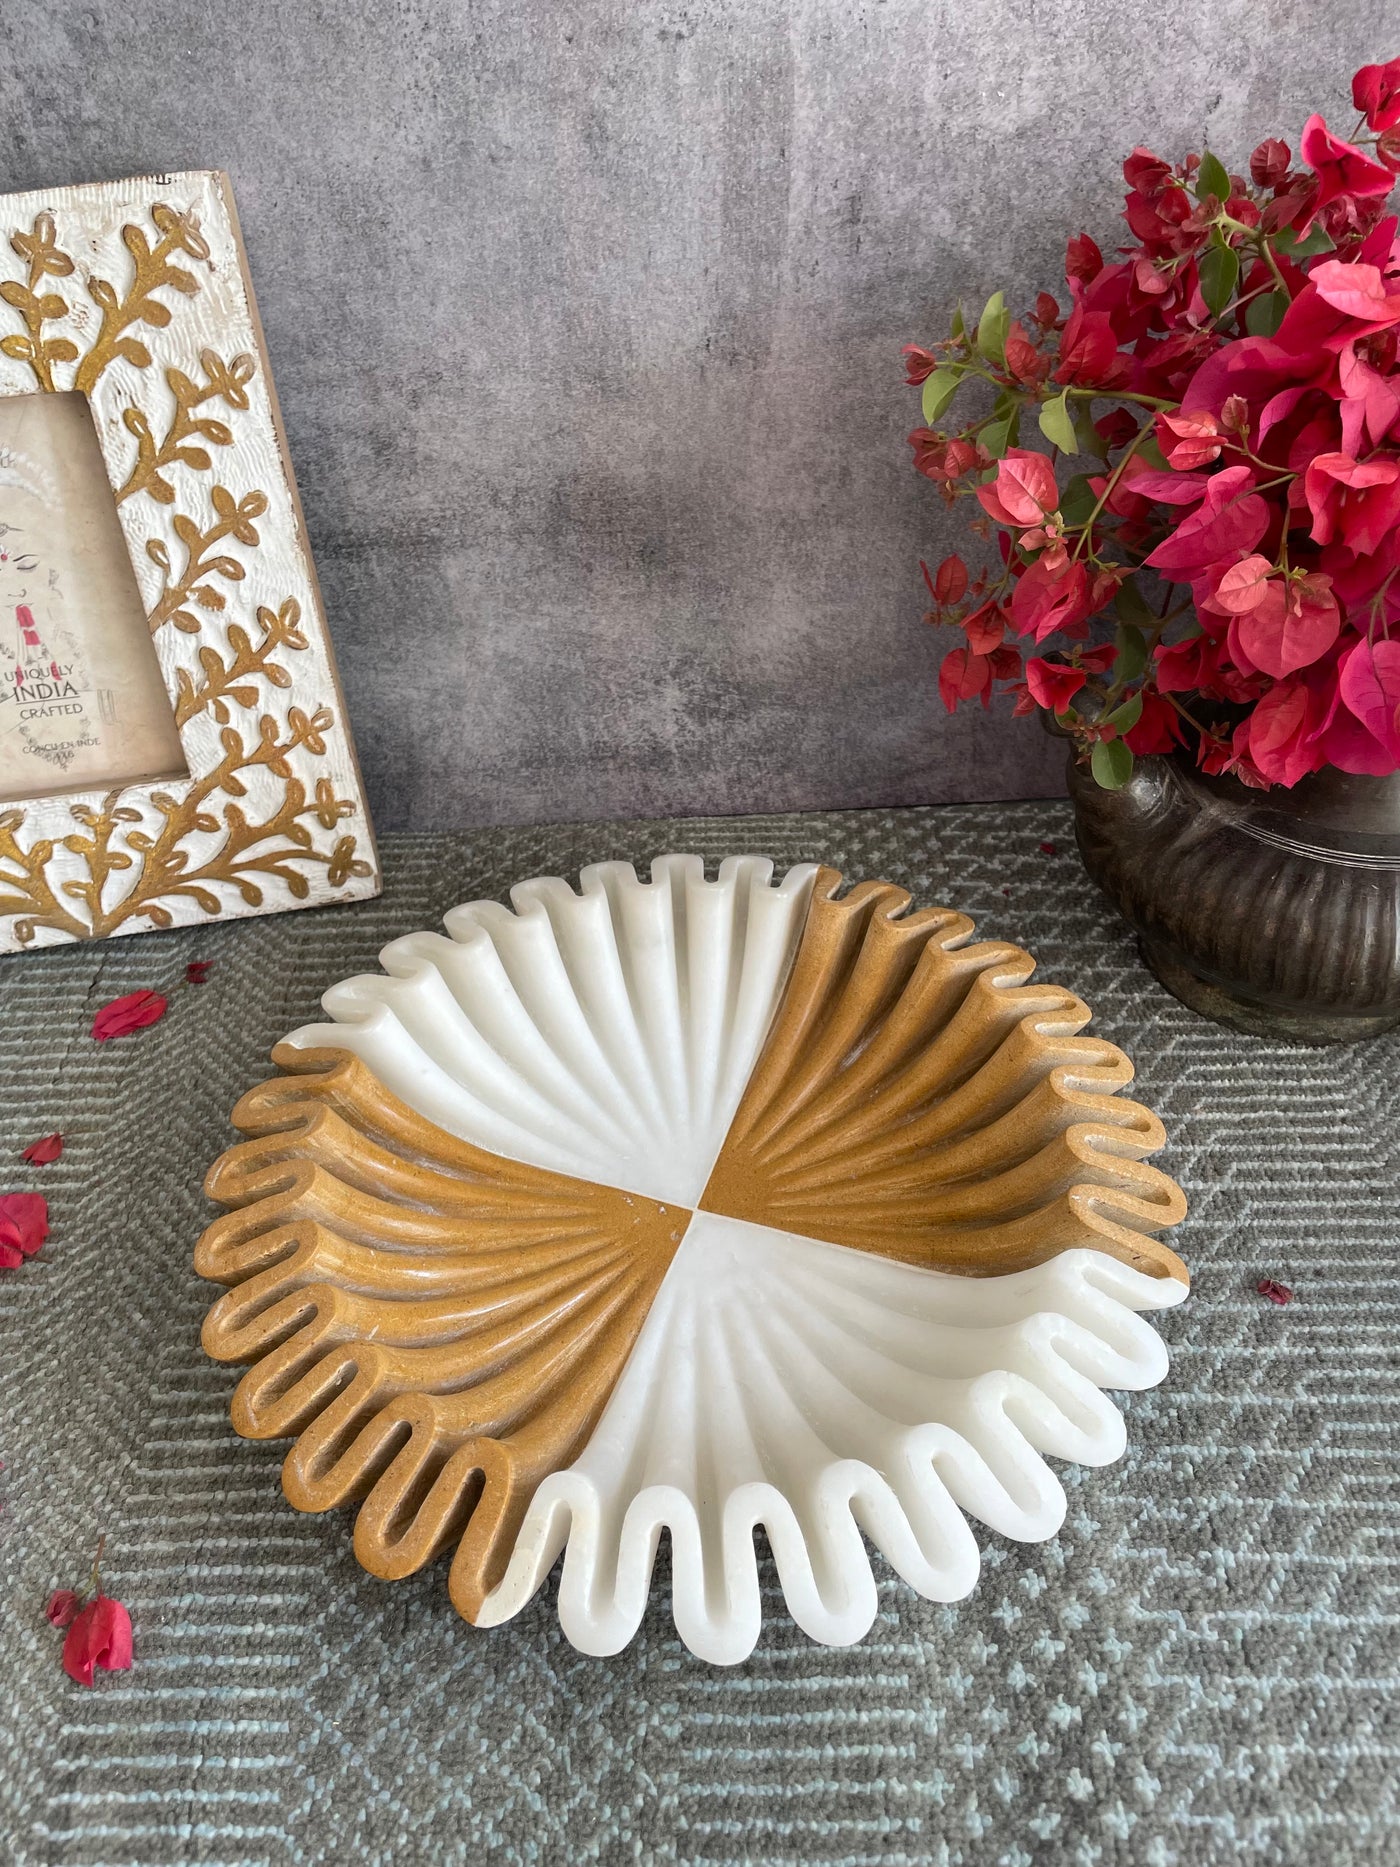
[135, 295]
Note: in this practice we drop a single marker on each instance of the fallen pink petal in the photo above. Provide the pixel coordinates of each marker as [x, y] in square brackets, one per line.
[24, 1225]
[124, 1015]
[197, 971]
[62, 1605]
[1275, 1292]
[40, 1153]
[100, 1637]
[1048, 849]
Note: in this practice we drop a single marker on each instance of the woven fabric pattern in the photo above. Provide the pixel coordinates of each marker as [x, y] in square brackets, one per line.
[1201, 1667]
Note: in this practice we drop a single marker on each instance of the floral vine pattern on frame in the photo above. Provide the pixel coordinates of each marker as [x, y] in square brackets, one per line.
[247, 821]
[225, 382]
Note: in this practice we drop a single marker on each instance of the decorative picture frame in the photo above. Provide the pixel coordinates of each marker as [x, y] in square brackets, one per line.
[136, 294]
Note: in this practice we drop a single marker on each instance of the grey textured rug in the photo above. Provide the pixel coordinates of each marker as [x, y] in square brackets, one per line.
[1201, 1667]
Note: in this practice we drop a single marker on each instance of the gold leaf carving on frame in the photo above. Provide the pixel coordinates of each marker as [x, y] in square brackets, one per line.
[251, 818]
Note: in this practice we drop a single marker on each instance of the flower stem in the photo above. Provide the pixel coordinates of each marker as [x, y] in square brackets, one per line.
[1266, 253]
[1121, 395]
[1086, 530]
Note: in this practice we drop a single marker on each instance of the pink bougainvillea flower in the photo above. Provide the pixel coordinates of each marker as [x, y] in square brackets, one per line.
[1341, 168]
[1269, 493]
[131, 1013]
[24, 1225]
[1243, 586]
[1258, 368]
[62, 1605]
[1167, 488]
[1052, 684]
[1369, 686]
[1145, 173]
[1158, 727]
[40, 1153]
[1026, 361]
[964, 676]
[947, 585]
[1269, 163]
[1354, 501]
[1370, 402]
[100, 1636]
[1277, 735]
[1293, 625]
[1231, 519]
[198, 969]
[1006, 663]
[1083, 260]
[1098, 660]
[1089, 351]
[1188, 441]
[1024, 492]
[1358, 290]
[940, 459]
[922, 363]
[1214, 755]
[1180, 665]
[985, 629]
[1048, 598]
[1375, 90]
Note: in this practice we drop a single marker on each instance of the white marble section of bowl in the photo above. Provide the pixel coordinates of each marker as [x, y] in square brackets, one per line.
[822, 1393]
[607, 1034]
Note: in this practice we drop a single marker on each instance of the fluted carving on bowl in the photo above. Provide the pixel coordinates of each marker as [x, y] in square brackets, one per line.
[834, 1398]
[917, 1098]
[438, 1327]
[859, 1231]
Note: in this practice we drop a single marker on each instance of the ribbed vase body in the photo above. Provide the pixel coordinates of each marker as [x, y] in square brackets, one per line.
[1275, 911]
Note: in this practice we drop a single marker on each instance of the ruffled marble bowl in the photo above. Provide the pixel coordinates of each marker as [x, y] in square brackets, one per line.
[691, 1205]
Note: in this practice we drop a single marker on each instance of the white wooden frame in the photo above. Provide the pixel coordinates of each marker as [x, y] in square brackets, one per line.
[136, 293]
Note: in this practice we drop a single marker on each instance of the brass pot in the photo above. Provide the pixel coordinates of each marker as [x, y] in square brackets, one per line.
[1276, 912]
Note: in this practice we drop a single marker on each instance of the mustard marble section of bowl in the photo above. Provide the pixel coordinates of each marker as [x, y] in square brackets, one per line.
[691, 1205]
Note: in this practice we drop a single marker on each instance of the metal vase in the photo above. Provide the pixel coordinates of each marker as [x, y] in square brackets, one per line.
[1276, 912]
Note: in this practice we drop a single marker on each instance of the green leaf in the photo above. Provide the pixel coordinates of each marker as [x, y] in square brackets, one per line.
[1132, 605]
[1124, 718]
[1132, 653]
[939, 390]
[1220, 274]
[992, 327]
[1318, 240]
[959, 328]
[996, 436]
[1263, 315]
[1090, 440]
[1078, 500]
[1151, 452]
[1057, 425]
[1111, 764]
[1212, 178]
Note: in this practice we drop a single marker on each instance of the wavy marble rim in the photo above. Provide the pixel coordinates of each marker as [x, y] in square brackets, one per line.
[691, 1205]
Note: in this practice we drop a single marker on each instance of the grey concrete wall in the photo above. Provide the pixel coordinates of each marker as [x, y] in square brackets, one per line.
[585, 316]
